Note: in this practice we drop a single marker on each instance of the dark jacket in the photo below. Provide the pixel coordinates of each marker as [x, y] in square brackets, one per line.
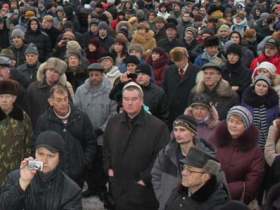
[178, 90]
[241, 160]
[27, 74]
[19, 54]
[210, 196]
[56, 192]
[166, 172]
[41, 40]
[53, 34]
[106, 43]
[78, 135]
[168, 45]
[130, 148]
[222, 96]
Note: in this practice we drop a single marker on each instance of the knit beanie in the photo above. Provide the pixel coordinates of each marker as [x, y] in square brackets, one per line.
[17, 33]
[9, 87]
[31, 49]
[103, 25]
[268, 66]
[262, 77]
[187, 122]
[50, 140]
[243, 113]
[235, 49]
[144, 69]
[223, 27]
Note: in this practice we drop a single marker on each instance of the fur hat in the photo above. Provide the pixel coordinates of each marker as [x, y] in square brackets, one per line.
[261, 77]
[193, 30]
[250, 33]
[187, 122]
[8, 53]
[178, 53]
[235, 49]
[144, 69]
[200, 159]
[17, 32]
[136, 47]
[55, 63]
[131, 59]
[9, 87]
[50, 140]
[73, 48]
[243, 113]
[268, 66]
[31, 49]
[211, 41]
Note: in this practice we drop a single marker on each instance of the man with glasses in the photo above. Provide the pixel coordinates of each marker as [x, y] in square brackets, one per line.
[201, 187]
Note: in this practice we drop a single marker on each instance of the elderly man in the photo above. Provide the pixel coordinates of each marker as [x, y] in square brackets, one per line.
[166, 172]
[218, 90]
[75, 128]
[201, 187]
[93, 98]
[132, 140]
[46, 187]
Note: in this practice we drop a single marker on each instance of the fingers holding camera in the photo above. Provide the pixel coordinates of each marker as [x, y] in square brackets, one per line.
[26, 175]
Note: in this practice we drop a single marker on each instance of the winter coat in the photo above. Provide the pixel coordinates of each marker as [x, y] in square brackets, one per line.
[15, 140]
[191, 46]
[240, 27]
[156, 100]
[106, 43]
[95, 102]
[222, 96]
[210, 196]
[113, 74]
[77, 75]
[27, 74]
[130, 148]
[247, 56]
[168, 45]
[159, 67]
[181, 27]
[38, 93]
[146, 40]
[19, 54]
[255, 103]
[4, 34]
[203, 58]
[78, 135]
[237, 75]
[57, 192]
[242, 161]
[41, 40]
[178, 90]
[274, 60]
[53, 34]
[166, 172]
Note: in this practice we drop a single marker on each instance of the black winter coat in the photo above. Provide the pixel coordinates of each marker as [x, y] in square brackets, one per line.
[130, 148]
[19, 54]
[169, 45]
[210, 197]
[57, 192]
[78, 135]
[26, 74]
[178, 90]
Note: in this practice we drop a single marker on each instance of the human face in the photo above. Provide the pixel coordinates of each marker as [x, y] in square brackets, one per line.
[107, 63]
[183, 135]
[118, 47]
[270, 50]
[31, 58]
[34, 25]
[95, 77]
[211, 77]
[7, 102]
[132, 102]
[213, 50]
[235, 126]
[60, 103]
[232, 58]
[47, 24]
[131, 68]
[223, 33]
[50, 160]
[155, 56]
[261, 88]
[264, 72]
[91, 47]
[143, 79]
[102, 33]
[171, 33]
[4, 73]
[52, 76]
[17, 41]
[159, 25]
[186, 17]
[192, 177]
[182, 63]
[235, 38]
[200, 113]
[94, 28]
[73, 61]
[189, 36]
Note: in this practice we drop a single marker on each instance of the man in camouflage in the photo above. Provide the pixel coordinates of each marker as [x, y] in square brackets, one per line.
[15, 129]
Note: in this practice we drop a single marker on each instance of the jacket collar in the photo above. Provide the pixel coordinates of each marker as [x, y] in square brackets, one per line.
[16, 114]
[138, 120]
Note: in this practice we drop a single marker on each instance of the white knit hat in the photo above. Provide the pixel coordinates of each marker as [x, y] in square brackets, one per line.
[268, 66]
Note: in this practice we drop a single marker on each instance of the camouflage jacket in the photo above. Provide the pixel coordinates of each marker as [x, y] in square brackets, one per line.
[15, 140]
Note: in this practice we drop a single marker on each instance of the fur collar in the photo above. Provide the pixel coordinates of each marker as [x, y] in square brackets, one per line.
[16, 114]
[139, 38]
[252, 99]
[203, 193]
[223, 89]
[245, 142]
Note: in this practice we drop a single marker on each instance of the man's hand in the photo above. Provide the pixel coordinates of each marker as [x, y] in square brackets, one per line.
[141, 182]
[26, 175]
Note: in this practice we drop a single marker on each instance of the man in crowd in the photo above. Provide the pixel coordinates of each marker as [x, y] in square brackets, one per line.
[132, 140]
[75, 128]
[93, 98]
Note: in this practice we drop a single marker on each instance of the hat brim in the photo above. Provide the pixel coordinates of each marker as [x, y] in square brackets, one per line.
[48, 147]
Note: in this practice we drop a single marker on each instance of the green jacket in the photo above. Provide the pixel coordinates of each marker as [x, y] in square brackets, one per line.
[15, 140]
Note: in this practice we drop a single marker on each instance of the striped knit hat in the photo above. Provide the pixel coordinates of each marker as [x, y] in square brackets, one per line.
[243, 113]
[187, 122]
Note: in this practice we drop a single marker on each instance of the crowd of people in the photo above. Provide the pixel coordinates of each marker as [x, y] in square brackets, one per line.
[145, 104]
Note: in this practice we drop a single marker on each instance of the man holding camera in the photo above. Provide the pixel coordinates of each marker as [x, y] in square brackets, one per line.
[41, 184]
